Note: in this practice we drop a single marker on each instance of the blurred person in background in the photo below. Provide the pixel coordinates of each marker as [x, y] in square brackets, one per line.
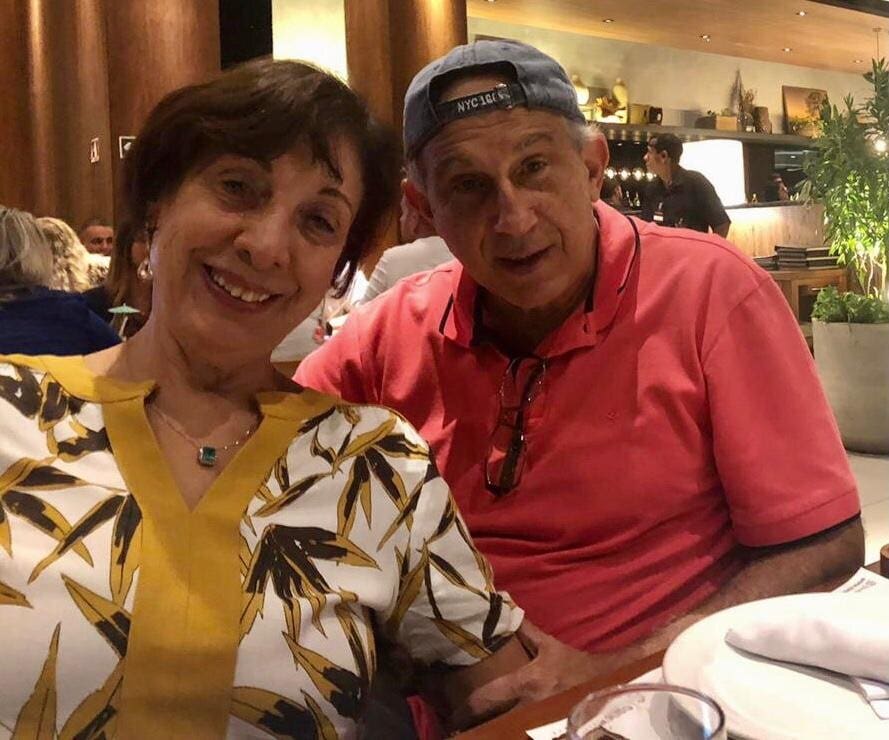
[128, 285]
[34, 319]
[74, 269]
[612, 193]
[97, 236]
[424, 250]
[680, 197]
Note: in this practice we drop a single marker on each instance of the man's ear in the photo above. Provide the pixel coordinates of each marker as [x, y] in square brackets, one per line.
[417, 198]
[595, 157]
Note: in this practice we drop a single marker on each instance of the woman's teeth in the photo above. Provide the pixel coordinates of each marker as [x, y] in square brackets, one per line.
[248, 296]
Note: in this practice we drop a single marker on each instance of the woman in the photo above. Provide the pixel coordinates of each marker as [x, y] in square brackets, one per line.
[124, 289]
[73, 268]
[34, 319]
[239, 539]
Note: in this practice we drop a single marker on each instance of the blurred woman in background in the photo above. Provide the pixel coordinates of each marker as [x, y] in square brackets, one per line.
[125, 288]
[34, 319]
[74, 269]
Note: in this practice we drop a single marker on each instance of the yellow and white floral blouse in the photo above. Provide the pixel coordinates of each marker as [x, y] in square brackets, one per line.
[125, 614]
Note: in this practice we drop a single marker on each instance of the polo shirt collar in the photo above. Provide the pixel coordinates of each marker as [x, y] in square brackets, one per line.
[679, 178]
[617, 255]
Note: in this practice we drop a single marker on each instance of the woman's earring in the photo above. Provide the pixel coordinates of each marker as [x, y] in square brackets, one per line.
[144, 270]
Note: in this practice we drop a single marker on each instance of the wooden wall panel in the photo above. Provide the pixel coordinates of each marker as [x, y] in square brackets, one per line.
[756, 231]
[153, 48]
[16, 144]
[75, 69]
[68, 107]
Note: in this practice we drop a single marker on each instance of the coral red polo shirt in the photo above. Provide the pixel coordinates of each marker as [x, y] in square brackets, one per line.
[679, 415]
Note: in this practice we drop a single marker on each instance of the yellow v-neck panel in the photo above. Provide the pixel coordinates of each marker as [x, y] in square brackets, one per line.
[185, 627]
[183, 643]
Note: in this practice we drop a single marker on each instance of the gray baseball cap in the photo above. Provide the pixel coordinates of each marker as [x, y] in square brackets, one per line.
[539, 81]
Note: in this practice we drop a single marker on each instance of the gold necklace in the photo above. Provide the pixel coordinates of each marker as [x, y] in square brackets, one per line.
[207, 454]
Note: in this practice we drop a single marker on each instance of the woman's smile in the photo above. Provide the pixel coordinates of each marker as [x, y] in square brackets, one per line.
[236, 291]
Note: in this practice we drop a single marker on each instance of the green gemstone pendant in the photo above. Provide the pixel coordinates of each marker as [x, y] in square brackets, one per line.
[207, 456]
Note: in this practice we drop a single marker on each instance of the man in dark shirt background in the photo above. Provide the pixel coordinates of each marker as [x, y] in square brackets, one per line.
[680, 197]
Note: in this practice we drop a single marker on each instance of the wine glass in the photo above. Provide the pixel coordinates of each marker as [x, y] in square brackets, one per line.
[647, 711]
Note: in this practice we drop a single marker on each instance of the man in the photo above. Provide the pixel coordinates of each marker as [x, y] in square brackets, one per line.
[680, 197]
[97, 236]
[423, 251]
[627, 415]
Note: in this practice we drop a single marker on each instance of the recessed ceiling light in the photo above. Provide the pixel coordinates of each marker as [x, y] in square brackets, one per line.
[608, 20]
[705, 37]
[858, 61]
[801, 13]
[787, 49]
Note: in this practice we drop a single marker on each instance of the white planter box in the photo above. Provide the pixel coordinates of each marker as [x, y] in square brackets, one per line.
[853, 362]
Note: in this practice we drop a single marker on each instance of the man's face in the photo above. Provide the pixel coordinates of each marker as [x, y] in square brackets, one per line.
[510, 191]
[656, 162]
[98, 239]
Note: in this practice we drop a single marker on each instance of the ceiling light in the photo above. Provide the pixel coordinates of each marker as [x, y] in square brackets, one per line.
[608, 20]
[858, 61]
[706, 37]
[787, 49]
[801, 13]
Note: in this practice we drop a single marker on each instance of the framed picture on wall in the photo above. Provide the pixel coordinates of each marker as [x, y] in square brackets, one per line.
[802, 110]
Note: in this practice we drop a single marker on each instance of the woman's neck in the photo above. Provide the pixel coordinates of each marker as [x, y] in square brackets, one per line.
[207, 388]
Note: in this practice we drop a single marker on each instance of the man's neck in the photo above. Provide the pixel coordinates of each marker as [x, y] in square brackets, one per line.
[517, 331]
[671, 174]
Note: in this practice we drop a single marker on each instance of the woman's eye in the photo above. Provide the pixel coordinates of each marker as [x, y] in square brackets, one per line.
[322, 224]
[234, 187]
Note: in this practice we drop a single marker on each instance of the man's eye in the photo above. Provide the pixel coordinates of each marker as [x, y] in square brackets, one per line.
[535, 166]
[468, 185]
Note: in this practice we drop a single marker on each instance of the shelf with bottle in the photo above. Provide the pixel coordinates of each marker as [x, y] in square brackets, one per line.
[640, 132]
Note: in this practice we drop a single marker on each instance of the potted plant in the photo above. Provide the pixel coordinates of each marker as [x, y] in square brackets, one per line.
[849, 174]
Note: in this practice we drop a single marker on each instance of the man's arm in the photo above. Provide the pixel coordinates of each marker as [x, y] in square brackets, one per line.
[814, 563]
[712, 208]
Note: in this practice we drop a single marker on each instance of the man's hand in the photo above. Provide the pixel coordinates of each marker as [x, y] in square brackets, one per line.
[554, 667]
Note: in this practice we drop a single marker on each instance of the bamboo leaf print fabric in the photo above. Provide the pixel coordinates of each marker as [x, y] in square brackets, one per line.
[350, 530]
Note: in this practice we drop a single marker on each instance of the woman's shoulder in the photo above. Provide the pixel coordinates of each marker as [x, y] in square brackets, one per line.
[365, 424]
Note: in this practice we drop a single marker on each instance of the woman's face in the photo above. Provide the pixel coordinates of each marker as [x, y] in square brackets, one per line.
[243, 251]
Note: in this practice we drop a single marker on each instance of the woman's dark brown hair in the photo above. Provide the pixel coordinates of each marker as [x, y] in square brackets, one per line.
[261, 110]
[122, 272]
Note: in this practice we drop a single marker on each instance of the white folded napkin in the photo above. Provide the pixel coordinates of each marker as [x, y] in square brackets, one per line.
[846, 633]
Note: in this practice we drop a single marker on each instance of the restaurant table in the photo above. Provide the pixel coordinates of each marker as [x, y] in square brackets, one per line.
[513, 724]
[797, 283]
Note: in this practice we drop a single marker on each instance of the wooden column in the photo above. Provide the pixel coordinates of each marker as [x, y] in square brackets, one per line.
[387, 43]
[153, 48]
